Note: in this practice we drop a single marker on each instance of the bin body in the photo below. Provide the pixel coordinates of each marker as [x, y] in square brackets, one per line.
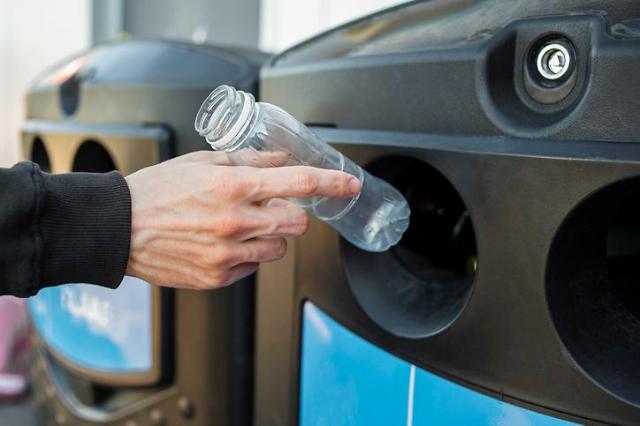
[510, 298]
[138, 354]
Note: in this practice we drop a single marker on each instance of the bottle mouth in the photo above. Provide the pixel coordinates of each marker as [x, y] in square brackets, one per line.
[224, 116]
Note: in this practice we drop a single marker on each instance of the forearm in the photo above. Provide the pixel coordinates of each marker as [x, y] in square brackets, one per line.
[196, 221]
[62, 228]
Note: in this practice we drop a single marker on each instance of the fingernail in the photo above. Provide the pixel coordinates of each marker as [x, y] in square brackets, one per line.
[354, 186]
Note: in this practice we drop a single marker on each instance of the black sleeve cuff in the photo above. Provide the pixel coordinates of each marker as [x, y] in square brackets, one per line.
[85, 226]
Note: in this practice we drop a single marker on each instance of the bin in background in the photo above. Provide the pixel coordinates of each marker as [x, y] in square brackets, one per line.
[140, 354]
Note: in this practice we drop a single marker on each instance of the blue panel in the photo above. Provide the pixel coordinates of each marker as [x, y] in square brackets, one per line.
[438, 402]
[98, 328]
[345, 380]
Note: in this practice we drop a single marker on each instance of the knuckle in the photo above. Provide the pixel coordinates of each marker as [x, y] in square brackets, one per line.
[307, 183]
[225, 257]
[272, 227]
[255, 183]
[228, 185]
[229, 225]
[218, 257]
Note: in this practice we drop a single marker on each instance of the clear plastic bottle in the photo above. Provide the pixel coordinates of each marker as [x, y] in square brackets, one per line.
[232, 121]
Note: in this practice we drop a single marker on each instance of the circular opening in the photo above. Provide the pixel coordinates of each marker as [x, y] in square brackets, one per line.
[92, 157]
[419, 287]
[593, 288]
[40, 156]
[224, 116]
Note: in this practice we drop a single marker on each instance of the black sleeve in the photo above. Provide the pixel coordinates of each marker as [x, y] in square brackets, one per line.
[64, 228]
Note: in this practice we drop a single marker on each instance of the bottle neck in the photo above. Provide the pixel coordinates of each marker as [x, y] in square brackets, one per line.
[225, 118]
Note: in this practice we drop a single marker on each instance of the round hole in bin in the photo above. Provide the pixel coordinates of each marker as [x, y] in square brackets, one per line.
[40, 156]
[92, 157]
[593, 288]
[419, 287]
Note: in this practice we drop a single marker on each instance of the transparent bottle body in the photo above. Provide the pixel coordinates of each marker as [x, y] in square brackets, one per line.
[373, 220]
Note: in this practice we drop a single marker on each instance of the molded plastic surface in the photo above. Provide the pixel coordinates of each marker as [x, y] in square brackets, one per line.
[445, 83]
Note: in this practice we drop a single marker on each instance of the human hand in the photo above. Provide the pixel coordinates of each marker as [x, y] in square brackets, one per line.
[198, 222]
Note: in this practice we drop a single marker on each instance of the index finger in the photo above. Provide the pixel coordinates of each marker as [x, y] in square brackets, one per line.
[305, 181]
[253, 158]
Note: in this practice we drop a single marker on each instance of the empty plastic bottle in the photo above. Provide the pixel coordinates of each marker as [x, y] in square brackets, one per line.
[232, 121]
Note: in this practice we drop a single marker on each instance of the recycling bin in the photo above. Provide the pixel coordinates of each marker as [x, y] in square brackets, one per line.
[512, 129]
[139, 355]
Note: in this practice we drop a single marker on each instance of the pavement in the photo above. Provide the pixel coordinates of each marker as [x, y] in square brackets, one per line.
[17, 413]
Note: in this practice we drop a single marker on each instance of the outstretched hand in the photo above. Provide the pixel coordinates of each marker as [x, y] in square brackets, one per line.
[199, 222]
